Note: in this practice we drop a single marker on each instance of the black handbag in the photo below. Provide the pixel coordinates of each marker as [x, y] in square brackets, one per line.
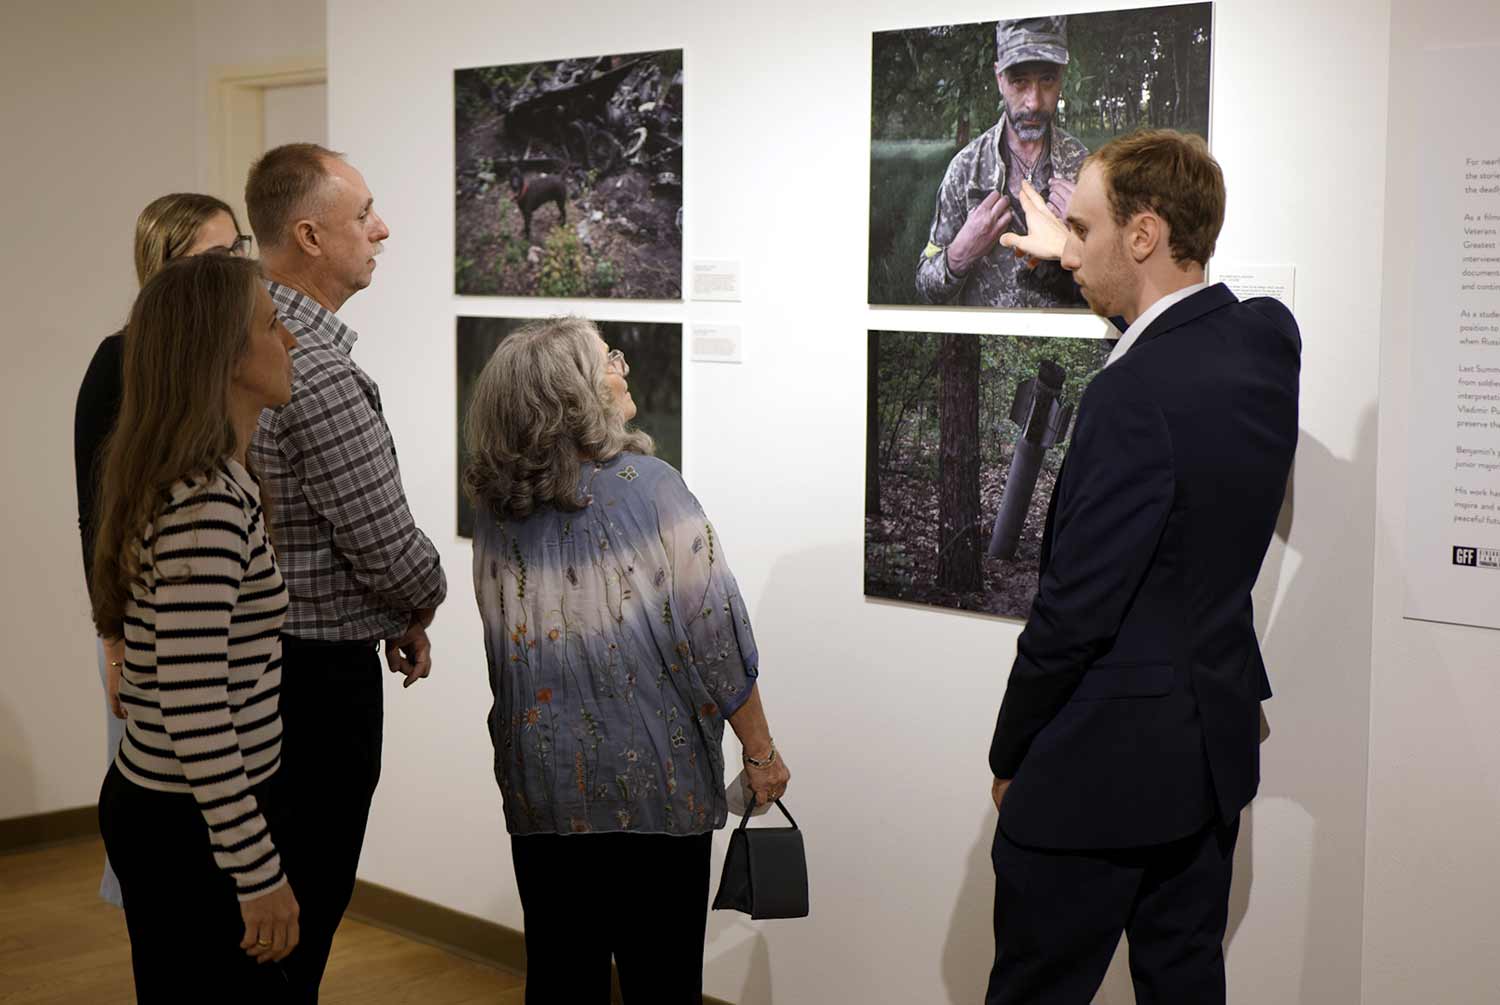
[765, 871]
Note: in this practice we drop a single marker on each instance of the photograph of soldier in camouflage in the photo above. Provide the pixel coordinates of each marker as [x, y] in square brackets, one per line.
[964, 438]
[962, 114]
[569, 178]
[652, 351]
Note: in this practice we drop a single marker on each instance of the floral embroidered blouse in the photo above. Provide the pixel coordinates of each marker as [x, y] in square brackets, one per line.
[618, 643]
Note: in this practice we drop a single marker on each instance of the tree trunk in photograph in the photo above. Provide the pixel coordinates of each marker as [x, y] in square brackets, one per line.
[1180, 53]
[1187, 81]
[959, 567]
[872, 428]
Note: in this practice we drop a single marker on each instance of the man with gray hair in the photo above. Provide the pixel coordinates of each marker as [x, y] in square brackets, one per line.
[357, 568]
[980, 197]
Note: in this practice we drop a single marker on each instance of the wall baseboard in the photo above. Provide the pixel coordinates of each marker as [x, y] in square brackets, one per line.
[25, 833]
[463, 934]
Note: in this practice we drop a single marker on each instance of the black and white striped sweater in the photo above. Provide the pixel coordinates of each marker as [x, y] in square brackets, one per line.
[202, 674]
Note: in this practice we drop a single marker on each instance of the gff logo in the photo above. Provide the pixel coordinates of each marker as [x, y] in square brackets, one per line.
[1464, 556]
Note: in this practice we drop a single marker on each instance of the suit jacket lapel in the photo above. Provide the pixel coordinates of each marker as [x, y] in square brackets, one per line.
[1189, 310]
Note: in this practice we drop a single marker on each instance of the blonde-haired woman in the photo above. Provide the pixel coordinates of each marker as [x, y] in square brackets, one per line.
[184, 571]
[170, 227]
[618, 647]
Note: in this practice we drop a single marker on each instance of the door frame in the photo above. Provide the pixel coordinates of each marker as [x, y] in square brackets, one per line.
[240, 134]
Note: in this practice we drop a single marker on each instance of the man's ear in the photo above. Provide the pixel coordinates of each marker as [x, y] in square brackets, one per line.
[305, 236]
[1146, 233]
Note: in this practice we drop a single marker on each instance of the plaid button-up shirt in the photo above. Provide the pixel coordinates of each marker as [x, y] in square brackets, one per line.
[355, 564]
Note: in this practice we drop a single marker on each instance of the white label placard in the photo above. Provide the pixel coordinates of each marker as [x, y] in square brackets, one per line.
[717, 344]
[1453, 452]
[716, 279]
[1246, 281]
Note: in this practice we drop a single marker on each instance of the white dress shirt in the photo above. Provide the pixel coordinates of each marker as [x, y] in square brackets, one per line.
[1150, 314]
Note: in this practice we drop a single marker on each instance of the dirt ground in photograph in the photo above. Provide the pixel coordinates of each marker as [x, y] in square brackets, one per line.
[621, 239]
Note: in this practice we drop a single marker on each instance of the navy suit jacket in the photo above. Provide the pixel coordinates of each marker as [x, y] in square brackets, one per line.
[1132, 715]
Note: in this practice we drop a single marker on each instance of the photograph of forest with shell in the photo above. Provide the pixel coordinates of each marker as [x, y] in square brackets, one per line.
[569, 178]
[964, 438]
[652, 351]
[962, 113]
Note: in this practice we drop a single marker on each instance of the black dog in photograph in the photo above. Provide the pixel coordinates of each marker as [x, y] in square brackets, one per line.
[536, 191]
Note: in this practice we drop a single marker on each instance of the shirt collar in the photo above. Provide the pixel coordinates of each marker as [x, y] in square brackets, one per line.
[241, 477]
[312, 317]
[1150, 314]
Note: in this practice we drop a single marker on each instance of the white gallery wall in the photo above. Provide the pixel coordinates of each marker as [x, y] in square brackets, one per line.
[883, 711]
[1434, 790]
[92, 132]
[103, 107]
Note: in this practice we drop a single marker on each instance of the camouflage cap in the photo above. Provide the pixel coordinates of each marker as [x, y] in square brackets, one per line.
[1029, 39]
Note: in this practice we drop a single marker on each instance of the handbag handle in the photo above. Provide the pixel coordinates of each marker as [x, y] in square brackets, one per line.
[745, 820]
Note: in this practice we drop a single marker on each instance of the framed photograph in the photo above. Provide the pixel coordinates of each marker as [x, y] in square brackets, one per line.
[965, 435]
[653, 352]
[961, 114]
[569, 178]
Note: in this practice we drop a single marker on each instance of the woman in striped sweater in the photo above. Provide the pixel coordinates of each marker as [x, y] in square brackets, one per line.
[183, 567]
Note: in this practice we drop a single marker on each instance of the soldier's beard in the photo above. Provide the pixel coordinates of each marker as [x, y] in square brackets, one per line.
[1032, 129]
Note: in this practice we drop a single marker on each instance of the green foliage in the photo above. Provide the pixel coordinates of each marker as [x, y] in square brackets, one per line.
[910, 385]
[887, 561]
[904, 177]
[564, 271]
[934, 83]
[605, 277]
[462, 270]
[479, 93]
[1126, 69]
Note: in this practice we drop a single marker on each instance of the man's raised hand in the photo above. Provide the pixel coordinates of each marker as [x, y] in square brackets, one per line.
[979, 233]
[1047, 234]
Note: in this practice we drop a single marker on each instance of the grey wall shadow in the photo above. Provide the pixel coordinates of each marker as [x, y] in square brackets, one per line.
[755, 954]
[16, 766]
[969, 949]
[1309, 616]
[790, 627]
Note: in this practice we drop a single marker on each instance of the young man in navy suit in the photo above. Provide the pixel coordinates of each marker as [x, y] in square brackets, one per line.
[1128, 739]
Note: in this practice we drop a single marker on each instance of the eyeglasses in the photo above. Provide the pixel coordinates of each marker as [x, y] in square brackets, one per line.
[239, 248]
[615, 360]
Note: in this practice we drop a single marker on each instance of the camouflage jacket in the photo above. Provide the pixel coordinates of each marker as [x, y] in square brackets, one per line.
[998, 279]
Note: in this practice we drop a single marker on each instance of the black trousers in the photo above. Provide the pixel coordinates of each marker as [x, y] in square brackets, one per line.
[181, 909]
[1059, 916]
[332, 713]
[641, 898]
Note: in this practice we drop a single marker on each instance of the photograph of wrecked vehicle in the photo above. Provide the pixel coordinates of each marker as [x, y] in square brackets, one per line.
[569, 178]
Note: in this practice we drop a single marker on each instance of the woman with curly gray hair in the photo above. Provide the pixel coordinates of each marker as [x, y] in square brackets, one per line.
[618, 647]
